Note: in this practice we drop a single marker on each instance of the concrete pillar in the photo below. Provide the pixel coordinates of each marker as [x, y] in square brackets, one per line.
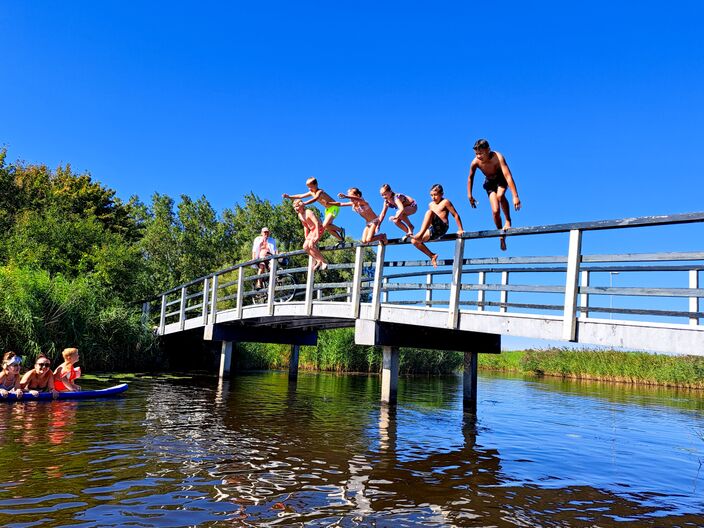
[389, 374]
[225, 358]
[469, 382]
[293, 362]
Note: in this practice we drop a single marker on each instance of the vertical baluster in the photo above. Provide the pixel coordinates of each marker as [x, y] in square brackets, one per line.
[378, 274]
[273, 266]
[481, 281]
[309, 287]
[429, 290]
[694, 300]
[357, 282]
[182, 309]
[205, 298]
[504, 294]
[162, 316]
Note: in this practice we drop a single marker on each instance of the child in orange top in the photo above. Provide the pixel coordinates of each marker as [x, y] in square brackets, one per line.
[67, 372]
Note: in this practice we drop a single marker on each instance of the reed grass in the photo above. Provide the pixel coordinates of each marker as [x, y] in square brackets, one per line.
[605, 365]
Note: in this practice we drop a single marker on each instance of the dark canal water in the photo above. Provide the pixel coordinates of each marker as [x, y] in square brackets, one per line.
[256, 451]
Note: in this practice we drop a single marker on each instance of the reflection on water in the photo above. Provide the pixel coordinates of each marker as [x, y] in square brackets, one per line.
[257, 450]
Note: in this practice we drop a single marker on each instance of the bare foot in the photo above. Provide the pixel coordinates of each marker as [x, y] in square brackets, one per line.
[507, 225]
[434, 260]
[383, 240]
[502, 240]
[316, 265]
[323, 266]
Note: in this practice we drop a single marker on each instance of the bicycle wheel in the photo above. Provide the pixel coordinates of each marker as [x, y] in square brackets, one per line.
[285, 287]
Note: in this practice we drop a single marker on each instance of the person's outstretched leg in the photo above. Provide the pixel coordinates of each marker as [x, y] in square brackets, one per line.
[496, 213]
[501, 195]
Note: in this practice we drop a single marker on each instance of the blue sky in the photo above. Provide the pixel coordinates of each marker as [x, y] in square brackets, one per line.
[597, 106]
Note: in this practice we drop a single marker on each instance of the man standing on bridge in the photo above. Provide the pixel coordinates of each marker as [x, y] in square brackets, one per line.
[498, 177]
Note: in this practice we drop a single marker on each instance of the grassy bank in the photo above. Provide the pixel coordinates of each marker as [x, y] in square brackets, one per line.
[337, 352]
[606, 365]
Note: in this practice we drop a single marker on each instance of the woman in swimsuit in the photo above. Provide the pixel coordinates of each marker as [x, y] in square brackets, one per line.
[406, 206]
[10, 375]
[361, 206]
[40, 379]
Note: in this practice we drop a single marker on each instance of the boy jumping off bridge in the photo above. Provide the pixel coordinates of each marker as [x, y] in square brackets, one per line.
[436, 222]
[498, 177]
[332, 208]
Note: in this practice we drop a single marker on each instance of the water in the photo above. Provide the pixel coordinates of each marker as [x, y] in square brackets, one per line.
[256, 451]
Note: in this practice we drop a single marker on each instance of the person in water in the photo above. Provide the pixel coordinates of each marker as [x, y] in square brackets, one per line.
[332, 208]
[312, 232]
[39, 379]
[405, 205]
[361, 206]
[436, 222]
[498, 178]
[10, 375]
[66, 373]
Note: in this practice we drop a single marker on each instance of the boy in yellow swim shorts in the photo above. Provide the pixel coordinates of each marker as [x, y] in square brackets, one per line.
[332, 208]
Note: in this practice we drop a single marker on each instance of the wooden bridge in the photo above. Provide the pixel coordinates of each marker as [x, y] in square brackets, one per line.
[466, 304]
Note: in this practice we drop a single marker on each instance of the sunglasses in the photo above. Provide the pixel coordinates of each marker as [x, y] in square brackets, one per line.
[8, 365]
[43, 365]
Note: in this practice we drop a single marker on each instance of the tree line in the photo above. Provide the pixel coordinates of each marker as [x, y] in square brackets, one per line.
[76, 260]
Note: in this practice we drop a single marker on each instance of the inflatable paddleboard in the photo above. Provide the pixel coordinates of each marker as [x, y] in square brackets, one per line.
[78, 395]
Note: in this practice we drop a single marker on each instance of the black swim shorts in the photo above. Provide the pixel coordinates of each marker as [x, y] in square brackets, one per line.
[437, 227]
[492, 184]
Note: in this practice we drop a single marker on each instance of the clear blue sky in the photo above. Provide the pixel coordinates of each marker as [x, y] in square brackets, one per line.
[598, 107]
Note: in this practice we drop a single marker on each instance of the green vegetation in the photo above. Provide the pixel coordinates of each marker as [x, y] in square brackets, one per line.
[607, 365]
[336, 352]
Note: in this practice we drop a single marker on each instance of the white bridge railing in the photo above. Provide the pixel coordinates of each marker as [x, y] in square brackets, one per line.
[568, 289]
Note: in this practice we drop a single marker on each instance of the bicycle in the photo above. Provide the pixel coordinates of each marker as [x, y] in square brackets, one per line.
[284, 290]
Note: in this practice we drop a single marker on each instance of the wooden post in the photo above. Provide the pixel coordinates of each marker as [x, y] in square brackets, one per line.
[469, 382]
[481, 281]
[182, 309]
[310, 278]
[162, 316]
[293, 362]
[584, 297]
[378, 274]
[273, 266]
[206, 295]
[503, 299]
[385, 293]
[694, 301]
[574, 256]
[225, 358]
[389, 374]
[453, 310]
[357, 281]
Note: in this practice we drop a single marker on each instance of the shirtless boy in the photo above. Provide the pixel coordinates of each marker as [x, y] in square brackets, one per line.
[498, 177]
[436, 222]
[332, 208]
[312, 231]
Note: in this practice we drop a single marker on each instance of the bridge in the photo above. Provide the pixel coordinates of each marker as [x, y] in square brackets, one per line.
[467, 303]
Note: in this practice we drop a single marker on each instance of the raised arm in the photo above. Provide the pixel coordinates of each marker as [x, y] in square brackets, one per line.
[297, 196]
[456, 215]
[470, 182]
[510, 181]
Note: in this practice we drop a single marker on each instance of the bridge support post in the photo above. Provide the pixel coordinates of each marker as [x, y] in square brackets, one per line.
[389, 374]
[225, 358]
[293, 362]
[469, 382]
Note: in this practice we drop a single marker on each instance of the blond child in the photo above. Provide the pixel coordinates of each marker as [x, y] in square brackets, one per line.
[362, 207]
[332, 208]
[436, 222]
[406, 206]
[312, 231]
[10, 375]
[67, 372]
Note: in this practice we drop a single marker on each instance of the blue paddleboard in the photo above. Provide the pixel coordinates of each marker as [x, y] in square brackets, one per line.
[78, 395]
